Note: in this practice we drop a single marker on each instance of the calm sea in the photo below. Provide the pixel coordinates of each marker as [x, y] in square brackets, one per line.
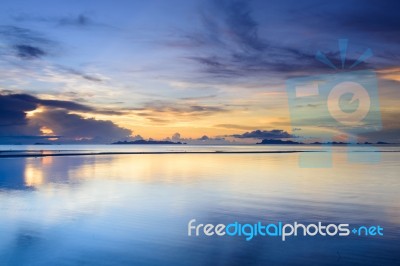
[134, 209]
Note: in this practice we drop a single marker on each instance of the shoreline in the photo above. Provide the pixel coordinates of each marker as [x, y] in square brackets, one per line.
[27, 154]
[138, 153]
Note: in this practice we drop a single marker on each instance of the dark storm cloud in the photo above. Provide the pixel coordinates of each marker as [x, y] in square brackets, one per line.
[69, 105]
[74, 127]
[15, 126]
[264, 134]
[13, 119]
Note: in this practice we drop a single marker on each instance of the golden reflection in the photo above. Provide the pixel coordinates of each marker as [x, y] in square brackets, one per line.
[248, 180]
[264, 176]
[47, 160]
[33, 176]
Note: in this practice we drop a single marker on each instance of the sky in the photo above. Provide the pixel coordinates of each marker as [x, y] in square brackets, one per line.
[194, 71]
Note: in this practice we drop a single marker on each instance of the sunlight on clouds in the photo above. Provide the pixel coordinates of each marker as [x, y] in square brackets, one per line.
[47, 132]
[390, 73]
[33, 112]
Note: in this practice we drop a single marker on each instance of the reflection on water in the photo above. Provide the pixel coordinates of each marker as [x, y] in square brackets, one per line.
[134, 209]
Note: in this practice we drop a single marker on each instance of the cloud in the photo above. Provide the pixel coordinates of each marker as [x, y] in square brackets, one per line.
[234, 41]
[264, 134]
[13, 120]
[379, 20]
[390, 135]
[74, 128]
[81, 21]
[176, 137]
[392, 73]
[196, 98]
[77, 20]
[23, 35]
[162, 111]
[202, 140]
[79, 73]
[229, 45]
[243, 29]
[25, 43]
[171, 107]
[69, 105]
[17, 127]
[390, 131]
[29, 52]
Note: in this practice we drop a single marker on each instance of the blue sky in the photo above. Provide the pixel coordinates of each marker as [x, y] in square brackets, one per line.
[156, 68]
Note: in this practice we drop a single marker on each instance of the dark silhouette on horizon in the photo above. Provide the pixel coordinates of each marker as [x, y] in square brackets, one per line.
[142, 141]
[289, 142]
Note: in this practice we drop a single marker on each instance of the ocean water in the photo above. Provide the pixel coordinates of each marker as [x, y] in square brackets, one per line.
[134, 209]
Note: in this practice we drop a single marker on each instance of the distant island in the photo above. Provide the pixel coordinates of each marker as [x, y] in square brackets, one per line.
[142, 141]
[289, 142]
[279, 142]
